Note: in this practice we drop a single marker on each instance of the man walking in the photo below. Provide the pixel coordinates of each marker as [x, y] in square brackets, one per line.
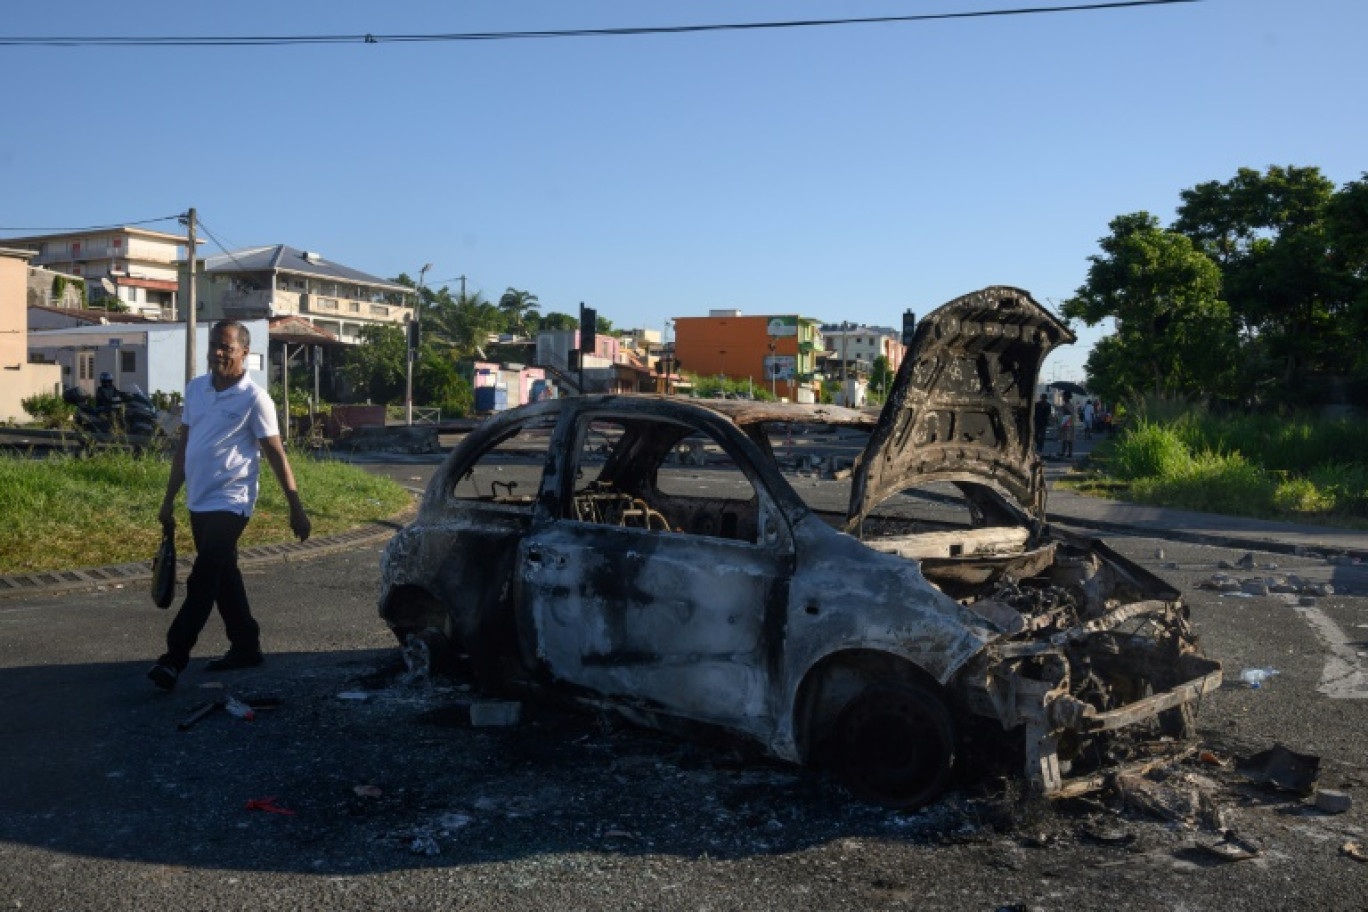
[228, 424]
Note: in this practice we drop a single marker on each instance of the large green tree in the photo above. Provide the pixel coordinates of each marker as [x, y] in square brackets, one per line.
[1171, 328]
[1268, 233]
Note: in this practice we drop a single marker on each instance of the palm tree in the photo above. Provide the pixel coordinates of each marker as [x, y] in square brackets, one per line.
[462, 322]
[517, 306]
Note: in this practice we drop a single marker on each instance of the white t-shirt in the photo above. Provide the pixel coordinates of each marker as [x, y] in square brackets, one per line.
[222, 456]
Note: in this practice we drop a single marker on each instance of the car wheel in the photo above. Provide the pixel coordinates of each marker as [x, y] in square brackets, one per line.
[895, 745]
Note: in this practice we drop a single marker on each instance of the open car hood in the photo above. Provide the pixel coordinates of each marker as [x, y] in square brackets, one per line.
[960, 407]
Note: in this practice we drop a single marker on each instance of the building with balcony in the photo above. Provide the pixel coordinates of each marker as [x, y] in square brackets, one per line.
[281, 281]
[138, 267]
[852, 349]
[778, 352]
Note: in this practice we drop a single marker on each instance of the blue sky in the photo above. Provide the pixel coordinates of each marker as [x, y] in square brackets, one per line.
[844, 173]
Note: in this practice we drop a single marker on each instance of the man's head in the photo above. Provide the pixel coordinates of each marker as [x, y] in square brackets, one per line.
[229, 342]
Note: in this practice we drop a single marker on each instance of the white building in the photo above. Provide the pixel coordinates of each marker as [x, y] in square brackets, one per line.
[150, 356]
[280, 281]
[139, 267]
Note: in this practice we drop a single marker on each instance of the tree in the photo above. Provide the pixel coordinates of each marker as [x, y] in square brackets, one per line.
[463, 322]
[559, 321]
[880, 378]
[517, 306]
[1172, 330]
[377, 369]
[1267, 232]
[1346, 223]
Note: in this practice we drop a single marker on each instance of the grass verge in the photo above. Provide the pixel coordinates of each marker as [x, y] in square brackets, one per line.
[72, 511]
[1191, 464]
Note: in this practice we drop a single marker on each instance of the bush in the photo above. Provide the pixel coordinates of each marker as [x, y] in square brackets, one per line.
[50, 409]
[1149, 450]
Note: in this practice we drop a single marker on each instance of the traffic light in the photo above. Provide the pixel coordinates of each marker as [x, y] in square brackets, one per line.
[413, 334]
[588, 328]
[909, 327]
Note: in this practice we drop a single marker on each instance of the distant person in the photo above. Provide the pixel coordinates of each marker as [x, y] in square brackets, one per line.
[1043, 412]
[1067, 425]
[228, 424]
[107, 395]
[1089, 415]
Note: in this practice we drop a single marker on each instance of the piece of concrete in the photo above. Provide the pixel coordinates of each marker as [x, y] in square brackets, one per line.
[495, 713]
[1334, 802]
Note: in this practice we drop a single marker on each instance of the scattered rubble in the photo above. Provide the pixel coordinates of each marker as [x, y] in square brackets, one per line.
[1283, 769]
[1334, 802]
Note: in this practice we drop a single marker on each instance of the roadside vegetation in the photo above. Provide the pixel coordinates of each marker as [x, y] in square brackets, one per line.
[85, 511]
[1297, 468]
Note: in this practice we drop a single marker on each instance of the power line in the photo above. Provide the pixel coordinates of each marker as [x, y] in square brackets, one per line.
[164, 218]
[280, 40]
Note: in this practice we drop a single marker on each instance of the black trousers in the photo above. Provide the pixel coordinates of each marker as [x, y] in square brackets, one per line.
[214, 580]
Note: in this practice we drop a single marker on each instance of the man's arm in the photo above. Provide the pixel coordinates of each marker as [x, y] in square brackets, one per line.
[167, 516]
[274, 452]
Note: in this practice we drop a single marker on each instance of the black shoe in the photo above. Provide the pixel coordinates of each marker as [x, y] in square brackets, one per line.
[234, 659]
[163, 675]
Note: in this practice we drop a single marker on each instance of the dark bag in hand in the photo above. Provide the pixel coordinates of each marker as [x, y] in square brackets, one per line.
[164, 572]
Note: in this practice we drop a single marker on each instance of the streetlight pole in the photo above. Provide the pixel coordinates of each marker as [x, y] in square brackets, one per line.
[774, 368]
[413, 330]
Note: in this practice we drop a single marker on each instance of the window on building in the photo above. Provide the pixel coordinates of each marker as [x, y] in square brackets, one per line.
[128, 361]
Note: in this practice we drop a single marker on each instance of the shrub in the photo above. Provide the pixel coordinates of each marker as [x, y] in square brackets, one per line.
[1149, 450]
[50, 409]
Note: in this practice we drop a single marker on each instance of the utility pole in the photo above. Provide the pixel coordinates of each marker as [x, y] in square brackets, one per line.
[413, 330]
[190, 307]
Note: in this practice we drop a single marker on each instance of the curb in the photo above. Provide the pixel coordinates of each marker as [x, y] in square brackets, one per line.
[55, 582]
[1215, 540]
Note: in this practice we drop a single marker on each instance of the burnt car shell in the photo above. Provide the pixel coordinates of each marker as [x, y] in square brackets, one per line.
[862, 642]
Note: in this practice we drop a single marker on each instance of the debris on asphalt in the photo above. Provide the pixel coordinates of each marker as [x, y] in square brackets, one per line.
[359, 696]
[1333, 801]
[425, 844]
[1354, 850]
[267, 804]
[495, 713]
[1255, 677]
[1283, 769]
[1232, 847]
[367, 791]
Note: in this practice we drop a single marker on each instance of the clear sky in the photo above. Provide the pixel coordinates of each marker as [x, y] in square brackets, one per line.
[844, 173]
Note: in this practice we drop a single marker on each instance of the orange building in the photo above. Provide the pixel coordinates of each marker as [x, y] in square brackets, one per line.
[776, 352]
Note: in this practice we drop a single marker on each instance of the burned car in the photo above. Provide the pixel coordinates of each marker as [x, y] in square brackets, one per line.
[650, 554]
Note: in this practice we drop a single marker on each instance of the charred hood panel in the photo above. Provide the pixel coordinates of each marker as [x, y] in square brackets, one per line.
[960, 407]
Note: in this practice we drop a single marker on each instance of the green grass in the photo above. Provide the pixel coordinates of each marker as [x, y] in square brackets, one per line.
[1298, 469]
[68, 511]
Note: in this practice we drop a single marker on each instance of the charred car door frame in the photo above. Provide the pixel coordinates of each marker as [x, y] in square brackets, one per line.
[676, 622]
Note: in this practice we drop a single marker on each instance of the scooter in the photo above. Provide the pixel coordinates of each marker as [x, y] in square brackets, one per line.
[129, 414]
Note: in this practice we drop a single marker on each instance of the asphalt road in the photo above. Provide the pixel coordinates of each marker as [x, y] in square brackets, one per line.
[398, 803]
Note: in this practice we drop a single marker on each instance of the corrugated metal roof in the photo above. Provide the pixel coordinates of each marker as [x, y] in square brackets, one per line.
[283, 258]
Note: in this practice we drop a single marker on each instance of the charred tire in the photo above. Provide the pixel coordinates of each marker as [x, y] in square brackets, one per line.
[895, 745]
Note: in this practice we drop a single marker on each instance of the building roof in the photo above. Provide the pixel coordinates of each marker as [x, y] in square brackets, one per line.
[121, 229]
[93, 316]
[283, 258]
[299, 331]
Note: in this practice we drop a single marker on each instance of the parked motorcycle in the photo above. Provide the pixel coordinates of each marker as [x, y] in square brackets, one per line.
[113, 413]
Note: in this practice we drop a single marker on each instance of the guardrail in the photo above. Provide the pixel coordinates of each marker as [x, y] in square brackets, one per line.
[420, 415]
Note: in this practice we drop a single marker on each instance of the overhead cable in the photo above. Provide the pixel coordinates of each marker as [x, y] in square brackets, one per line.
[278, 40]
